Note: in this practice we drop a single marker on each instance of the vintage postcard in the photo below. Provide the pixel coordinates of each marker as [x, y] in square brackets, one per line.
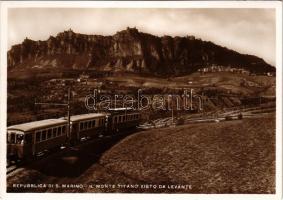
[145, 98]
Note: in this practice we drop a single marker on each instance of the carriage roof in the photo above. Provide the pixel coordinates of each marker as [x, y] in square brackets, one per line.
[37, 125]
[121, 109]
[82, 117]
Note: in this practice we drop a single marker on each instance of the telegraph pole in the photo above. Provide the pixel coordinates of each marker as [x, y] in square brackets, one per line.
[172, 111]
[68, 115]
[172, 115]
[68, 111]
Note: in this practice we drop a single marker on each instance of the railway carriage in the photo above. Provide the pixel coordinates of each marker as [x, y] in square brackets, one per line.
[122, 118]
[28, 139]
[87, 126]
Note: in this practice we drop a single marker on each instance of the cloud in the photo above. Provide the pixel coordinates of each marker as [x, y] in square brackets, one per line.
[250, 31]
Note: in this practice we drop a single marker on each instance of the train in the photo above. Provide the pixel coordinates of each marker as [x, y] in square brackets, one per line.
[30, 139]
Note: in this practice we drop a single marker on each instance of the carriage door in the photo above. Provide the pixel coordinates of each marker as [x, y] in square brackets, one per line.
[28, 144]
[75, 131]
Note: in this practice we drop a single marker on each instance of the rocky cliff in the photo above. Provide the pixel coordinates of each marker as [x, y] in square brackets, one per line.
[128, 50]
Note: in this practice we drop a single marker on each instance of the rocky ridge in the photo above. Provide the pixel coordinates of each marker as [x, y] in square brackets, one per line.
[129, 51]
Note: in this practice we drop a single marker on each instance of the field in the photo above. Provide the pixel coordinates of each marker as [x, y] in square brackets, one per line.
[238, 83]
[227, 157]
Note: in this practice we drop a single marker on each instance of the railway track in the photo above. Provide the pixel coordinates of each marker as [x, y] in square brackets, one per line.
[14, 166]
[11, 168]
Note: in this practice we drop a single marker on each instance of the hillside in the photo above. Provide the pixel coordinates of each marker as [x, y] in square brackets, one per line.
[226, 157]
[127, 51]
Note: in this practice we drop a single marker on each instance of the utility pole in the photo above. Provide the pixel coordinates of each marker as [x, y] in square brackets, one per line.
[68, 115]
[202, 101]
[172, 113]
[68, 111]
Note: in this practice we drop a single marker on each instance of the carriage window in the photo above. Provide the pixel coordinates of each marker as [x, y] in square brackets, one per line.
[63, 129]
[89, 124]
[81, 126]
[37, 137]
[59, 131]
[120, 119]
[124, 118]
[28, 139]
[43, 135]
[93, 123]
[49, 133]
[54, 132]
[19, 138]
[11, 138]
[85, 125]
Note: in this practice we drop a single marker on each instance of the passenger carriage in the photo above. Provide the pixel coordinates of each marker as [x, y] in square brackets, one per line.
[28, 139]
[122, 118]
[87, 126]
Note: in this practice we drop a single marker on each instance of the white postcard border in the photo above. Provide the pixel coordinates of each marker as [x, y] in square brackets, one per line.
[141, 4]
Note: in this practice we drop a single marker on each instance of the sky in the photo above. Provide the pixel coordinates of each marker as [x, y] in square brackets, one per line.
[246, 30]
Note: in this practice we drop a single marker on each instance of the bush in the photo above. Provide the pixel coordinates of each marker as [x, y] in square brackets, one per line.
[180, 121]
[228, 118]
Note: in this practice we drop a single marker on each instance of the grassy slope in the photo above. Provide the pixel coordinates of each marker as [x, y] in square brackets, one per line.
[228, 157]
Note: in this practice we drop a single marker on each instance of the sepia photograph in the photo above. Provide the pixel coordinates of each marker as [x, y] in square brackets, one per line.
[148, 98]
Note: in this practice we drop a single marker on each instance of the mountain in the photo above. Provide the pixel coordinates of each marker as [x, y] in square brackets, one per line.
[128, 51]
